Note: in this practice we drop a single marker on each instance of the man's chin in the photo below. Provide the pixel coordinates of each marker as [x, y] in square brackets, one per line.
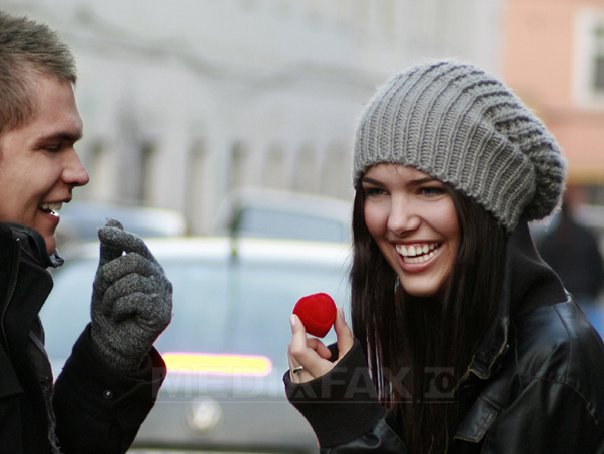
[51, 244]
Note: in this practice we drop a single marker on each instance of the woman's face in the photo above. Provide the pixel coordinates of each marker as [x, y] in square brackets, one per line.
[412, 218]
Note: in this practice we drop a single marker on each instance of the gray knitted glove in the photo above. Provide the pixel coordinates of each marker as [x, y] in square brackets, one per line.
[131, 299]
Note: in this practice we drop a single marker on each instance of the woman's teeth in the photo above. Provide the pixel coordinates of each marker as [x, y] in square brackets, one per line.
[51, 208]
[417, 253]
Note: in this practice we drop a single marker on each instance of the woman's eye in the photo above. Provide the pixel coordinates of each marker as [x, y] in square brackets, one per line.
[373, 192]
[432, 191]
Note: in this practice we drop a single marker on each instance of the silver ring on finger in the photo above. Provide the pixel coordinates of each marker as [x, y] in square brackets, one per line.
[296, 370]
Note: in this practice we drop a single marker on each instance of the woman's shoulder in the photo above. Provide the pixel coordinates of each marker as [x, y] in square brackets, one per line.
[558, 343]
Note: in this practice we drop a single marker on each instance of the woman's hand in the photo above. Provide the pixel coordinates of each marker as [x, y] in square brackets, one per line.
[309, 357]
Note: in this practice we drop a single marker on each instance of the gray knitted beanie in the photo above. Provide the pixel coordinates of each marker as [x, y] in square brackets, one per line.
[460, 125]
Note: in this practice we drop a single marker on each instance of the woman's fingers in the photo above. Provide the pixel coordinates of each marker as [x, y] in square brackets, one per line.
[298, 352]
[309, 353]
[309, 358]
[344, 334]
[295, 371]
[298, 345]
[322, 350]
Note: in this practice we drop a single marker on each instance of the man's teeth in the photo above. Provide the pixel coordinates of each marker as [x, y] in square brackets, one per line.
[52, 208]
[417, 253]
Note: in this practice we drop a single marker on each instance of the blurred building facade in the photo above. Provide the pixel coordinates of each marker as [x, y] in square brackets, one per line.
[184, 101]
[553, 56]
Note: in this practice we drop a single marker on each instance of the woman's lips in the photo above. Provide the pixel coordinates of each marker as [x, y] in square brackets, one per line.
[417, 253]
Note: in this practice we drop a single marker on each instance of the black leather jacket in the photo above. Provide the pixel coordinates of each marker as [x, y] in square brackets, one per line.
[536, 385]
[89, 409]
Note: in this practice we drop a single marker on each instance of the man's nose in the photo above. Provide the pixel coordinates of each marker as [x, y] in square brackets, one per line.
[75, 174]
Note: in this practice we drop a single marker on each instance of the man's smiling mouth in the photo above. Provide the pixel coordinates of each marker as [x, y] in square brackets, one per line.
[51, 208]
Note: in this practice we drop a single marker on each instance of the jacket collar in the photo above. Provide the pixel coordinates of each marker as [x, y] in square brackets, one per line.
[528, 283]
[24, 282]
[32, 244]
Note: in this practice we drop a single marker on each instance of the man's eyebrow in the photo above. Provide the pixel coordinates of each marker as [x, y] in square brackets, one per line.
[60, 135]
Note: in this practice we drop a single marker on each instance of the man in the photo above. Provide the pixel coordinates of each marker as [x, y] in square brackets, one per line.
[108, 385]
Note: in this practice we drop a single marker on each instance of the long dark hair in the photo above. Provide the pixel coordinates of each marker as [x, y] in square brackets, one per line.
[411, 342]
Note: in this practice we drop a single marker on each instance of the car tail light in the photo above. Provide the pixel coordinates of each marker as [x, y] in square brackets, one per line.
[218, 364]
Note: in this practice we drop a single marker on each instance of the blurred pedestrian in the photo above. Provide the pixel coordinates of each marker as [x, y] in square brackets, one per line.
[572, 250]
[108, 384]
[462, 339]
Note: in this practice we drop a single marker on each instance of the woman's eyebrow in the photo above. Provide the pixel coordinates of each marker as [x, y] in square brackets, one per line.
[413, 182]
[371, 181]
[419, 181]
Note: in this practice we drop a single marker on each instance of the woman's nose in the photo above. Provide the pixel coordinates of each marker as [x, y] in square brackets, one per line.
[403, 218]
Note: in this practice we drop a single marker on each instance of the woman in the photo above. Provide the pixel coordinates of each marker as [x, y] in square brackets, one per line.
[464, 339]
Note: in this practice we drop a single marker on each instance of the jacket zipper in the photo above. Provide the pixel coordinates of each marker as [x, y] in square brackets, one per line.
[11, 290]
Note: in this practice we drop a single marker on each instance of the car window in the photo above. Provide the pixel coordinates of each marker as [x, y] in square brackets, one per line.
[267, 223]
[200, 307]
[236, 306]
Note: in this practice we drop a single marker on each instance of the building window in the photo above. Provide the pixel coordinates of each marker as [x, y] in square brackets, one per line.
[335, 181]
[305, 177]
[144, 193]
[240, 166]
[598, 59]
[388, 18]
[199, 185]
[274, 173]
[96, 165]
[589, 51]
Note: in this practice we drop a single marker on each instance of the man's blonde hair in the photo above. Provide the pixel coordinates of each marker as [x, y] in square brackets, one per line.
[28, 48]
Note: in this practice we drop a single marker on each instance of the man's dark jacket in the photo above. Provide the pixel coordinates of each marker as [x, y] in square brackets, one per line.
[90, 409]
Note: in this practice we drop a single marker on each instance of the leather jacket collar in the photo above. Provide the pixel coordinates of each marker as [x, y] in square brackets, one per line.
[528, 283]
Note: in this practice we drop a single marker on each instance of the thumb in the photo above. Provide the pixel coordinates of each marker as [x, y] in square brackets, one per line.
[343, 333]
[299, 337]
[108, 250]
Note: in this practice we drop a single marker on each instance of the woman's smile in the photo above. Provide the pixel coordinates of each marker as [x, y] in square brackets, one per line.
[417, 253]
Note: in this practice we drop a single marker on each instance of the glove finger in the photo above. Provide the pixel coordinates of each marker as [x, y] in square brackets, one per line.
[148, 310]
[111, 222]
[109, 251]
[125, 265]
[132, 283]
[126, 241]
[128, 306]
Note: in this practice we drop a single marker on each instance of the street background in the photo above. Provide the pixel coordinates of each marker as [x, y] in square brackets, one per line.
[186, 101]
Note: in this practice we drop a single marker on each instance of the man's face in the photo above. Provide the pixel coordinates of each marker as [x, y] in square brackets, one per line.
[38, 163]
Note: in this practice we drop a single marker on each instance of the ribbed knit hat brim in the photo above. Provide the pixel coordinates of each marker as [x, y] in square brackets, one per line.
[460, 125]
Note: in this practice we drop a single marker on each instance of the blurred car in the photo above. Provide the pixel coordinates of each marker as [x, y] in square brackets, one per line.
[226, 346]
[265, 213]
[80, 221]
